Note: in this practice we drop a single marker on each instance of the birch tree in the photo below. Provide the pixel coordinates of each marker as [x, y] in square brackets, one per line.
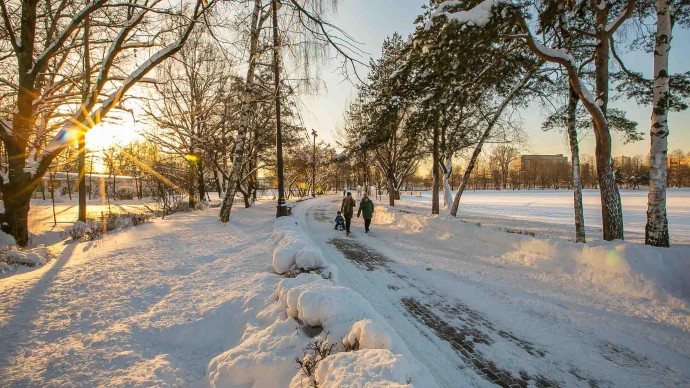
[656, 229]
[603, 19]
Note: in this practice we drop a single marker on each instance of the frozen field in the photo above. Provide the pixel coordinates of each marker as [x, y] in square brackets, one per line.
[550, 212]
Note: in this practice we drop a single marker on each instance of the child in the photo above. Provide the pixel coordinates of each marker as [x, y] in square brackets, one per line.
[339, 222]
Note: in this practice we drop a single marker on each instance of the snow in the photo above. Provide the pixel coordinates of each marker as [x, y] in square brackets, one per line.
[6, 240]
[368, 334]
[294, 248]
[585, 311]
[189, 301]
[147, 306]
[550, 212]
[13, 259]
[479, 16]
[364, 368]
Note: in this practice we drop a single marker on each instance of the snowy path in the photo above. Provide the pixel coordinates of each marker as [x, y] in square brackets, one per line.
[149, 306]
[468, 317]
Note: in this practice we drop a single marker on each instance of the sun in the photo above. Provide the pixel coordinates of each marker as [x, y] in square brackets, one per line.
[107, 134]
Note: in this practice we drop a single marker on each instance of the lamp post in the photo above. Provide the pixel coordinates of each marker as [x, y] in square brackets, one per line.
[281, 210]
[313, 166]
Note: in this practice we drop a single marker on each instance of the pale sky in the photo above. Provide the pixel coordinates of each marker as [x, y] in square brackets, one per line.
[370, 21]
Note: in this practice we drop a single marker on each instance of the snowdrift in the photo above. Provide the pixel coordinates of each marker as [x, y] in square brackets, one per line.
[366, 351]
[658, 275]
[295, 250]
[11, 256]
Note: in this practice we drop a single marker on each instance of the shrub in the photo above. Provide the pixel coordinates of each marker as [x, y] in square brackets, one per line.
[314, 352]
[124, 193]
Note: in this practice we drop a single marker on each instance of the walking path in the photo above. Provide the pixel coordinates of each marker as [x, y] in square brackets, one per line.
[468, 317]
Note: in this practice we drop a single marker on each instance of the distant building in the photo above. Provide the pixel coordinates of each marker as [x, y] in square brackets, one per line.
[529, 161]
[620, 161]
[544, 171]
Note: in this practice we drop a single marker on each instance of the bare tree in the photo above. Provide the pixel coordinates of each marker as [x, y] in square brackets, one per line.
[41, 35]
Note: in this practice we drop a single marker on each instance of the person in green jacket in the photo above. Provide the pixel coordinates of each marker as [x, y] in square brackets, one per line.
[366, 208]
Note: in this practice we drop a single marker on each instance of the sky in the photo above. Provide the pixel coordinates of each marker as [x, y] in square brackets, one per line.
[371, 21]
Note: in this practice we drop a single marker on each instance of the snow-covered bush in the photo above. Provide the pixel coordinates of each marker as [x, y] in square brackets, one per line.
[12, 257]
[93, 228]
[84, 231]
[352, 345]
[314, 352]
[364, 368]
[367, 334]
[6, 240]
[295, 250]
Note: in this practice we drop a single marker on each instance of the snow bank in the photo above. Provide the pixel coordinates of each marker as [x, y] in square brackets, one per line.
[364, 368]
[367, 334]
[6, 240]
[11, 257]
[658, 274]
[310, 308]
[265, 358]
[624, 268]
[294, 250]
[321, 303]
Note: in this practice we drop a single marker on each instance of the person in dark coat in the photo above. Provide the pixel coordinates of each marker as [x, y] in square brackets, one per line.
[347, 208]
[366, 209]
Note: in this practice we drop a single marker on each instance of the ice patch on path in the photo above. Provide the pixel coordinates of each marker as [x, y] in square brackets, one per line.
[365, 368]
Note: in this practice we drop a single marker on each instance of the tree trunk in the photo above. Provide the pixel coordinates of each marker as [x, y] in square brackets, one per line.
[17, 199]
[656, 230]
[611, 209]
[238, 157]
[485, 135]
[447, 189]
[201, 183]
[81, 162]
[435, 171]
[191, 185]
[391, 189]
[81, 135]
[575, 154]
[69, 185]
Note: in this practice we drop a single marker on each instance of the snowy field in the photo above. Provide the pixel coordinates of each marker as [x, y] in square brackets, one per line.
[46, 228]
[422, 301]
[550, 212]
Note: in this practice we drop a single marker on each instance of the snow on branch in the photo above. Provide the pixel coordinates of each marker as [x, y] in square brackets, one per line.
[480, 15]
[77, 122]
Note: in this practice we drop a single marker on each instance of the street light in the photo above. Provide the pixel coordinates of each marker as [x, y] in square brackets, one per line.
[313, 166]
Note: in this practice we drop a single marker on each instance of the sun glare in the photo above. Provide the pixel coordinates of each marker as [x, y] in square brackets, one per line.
[105, 135]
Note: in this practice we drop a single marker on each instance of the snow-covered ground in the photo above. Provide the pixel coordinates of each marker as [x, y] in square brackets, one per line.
[188, 301]
[550, 212]
[474, 301]
[147, 306]
[44, 228]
